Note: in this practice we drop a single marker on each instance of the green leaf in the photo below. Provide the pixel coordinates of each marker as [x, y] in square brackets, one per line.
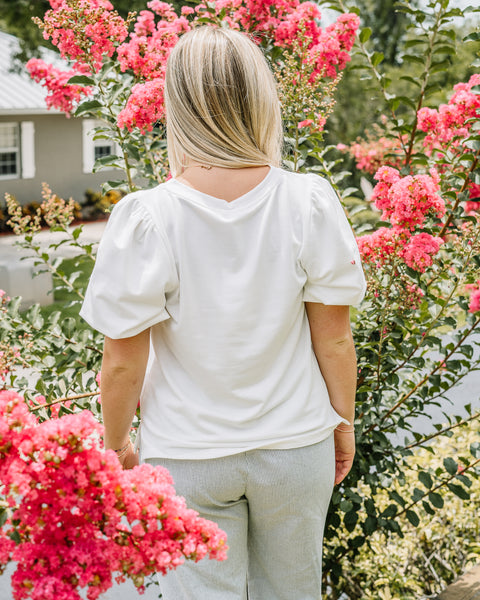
[425, 478]
[436, 499]
[395, 496]
[411, 80]
[413, 518]
[390, 511]
[450, 465]
[15, 536]
[413, 58]
[3, 517]
[459, 491]
[350, 520]
[445, 50]
[89, 106]
[370, 525]
[377, 58]
[442, 65]
[80, 80]
[365, 34]
[472, 37]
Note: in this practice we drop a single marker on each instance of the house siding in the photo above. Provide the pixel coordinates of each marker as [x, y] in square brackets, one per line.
[58, 160]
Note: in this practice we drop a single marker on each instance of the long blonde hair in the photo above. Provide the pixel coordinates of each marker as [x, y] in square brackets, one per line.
[221, 102]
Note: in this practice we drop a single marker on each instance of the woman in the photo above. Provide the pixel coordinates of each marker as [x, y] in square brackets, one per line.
[224, 297]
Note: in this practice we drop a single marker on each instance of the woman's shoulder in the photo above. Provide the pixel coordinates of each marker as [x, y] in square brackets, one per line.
[142, 204]
[309, 189]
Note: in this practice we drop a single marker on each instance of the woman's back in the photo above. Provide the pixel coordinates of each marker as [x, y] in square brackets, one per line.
[224, 289]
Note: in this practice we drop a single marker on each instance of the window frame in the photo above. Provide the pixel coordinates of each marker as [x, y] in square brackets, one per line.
[13, 149]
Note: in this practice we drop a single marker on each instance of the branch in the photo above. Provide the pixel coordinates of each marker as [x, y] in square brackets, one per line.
[442, 431]
[420, 383]
[66, 399]
[441, 484]
[473, 166]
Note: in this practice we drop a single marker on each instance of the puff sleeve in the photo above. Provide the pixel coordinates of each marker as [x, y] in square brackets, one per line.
[134, 272]
[329, 255]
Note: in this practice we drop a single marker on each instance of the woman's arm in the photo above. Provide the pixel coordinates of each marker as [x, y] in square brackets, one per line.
[123, 369]
[333, 346]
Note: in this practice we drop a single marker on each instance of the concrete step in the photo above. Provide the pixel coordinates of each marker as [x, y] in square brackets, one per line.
[467, 587]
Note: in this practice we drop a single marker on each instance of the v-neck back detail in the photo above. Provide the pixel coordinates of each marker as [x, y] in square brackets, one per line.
[244, 200]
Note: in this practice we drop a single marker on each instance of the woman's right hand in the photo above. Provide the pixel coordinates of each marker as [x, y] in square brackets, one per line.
[130, 458]
[344, 453]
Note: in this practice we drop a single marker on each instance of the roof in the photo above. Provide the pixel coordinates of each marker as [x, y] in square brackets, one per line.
[19, 94]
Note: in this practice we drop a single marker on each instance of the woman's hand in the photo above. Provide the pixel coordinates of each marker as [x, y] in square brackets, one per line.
[344, 453]
[130, 458]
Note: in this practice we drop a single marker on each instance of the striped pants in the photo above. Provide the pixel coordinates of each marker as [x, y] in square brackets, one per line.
[272, 505]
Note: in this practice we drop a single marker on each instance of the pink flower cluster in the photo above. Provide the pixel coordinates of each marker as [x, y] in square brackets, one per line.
[474, 305]
[61, 95]
[149, 45]
[283, 20]
[473, 205]
[371, 154]
[406, 202]
[451, 121]
[85, 30]
[77, 517]
[144, 106]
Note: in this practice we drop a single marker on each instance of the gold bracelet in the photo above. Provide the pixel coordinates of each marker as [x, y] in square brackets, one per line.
[123, 450]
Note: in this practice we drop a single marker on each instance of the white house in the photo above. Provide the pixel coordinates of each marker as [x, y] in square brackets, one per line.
[39, 145]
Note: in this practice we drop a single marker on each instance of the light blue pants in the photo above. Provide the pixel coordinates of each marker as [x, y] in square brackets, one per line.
[272, 505]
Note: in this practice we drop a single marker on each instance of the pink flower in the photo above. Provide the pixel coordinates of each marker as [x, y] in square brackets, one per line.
[144, 107]
[84, 31]
[61, 95]
[474, 305]
[419, 251]
[305, 123]
[407, 201]
[450, 122]
[372, 154]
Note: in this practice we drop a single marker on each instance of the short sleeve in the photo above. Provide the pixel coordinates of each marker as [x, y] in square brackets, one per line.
[134, 271]
[329, 255]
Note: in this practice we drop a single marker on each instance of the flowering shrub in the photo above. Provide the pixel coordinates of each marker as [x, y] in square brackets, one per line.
[75, 517]
[122, 73]
[416, 332]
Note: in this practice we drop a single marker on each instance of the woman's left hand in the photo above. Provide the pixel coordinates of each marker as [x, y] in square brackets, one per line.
[344, 454]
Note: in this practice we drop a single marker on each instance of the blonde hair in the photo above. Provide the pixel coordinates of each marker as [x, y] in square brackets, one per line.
[221, 102]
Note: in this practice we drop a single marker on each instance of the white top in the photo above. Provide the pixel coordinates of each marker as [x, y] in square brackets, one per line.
[223, 285]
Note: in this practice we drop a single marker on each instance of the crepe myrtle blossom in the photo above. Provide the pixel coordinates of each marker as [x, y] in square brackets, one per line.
[407, 201]
[452, 121]
[76, 518]
[61, 95]
[388, 245]
[474, 305]
[84, 31]
[88, 32]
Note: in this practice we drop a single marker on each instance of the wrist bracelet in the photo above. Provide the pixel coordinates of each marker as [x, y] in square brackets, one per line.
[123, 450]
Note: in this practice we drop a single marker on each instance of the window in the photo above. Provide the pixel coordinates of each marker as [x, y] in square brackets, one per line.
[17, 150]
[9, 150]
[94, 149]
[103, 148]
